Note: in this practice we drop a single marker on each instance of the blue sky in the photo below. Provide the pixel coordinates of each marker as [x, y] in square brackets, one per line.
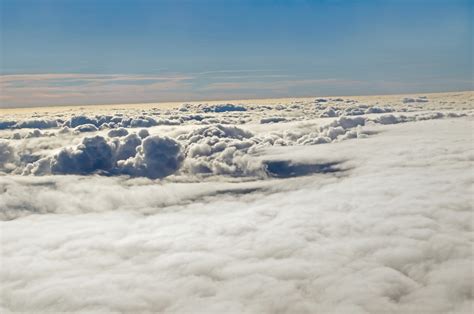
[105, 51]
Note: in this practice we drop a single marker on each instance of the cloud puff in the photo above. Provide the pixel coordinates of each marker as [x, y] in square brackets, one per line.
[29, 124]
[218, 149]
[157, 157]
[142, 122]
[218, 130]
[117, 132]
[272, 120]
[329, 112]
[394, 119]
[108, 121]
[127, 146]
[37, 124]
[92, 155]
[76, 121]
[7, 154]
[86, 128]
[143, 133]
[391, 119]
[347, 122]
[34, 133]
[223, 108]
[375, 109]
[154, 157]
[421, 99]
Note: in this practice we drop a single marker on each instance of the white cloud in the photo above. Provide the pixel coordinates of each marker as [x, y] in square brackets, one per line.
[117, 132]
[156, 157]
[241, 217]
[93, 154]
[7, 153]
[37, 124]
[85, 128]
[391, 234]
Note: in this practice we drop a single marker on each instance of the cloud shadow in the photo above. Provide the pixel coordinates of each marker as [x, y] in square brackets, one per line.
[288, 169]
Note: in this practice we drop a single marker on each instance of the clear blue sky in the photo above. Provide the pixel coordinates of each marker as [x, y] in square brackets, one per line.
[183, 50]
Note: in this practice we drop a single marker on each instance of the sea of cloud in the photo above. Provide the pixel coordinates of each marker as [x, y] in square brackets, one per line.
[332, 205]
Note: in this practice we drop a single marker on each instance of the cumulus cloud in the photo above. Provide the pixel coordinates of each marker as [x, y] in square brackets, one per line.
[219, 131]
[223, 108]
[117, 132]
[76, 121]
[127, 146]
[421, 99]
[347, 123]
[142, 122]
[157, 157]
[154, 157]
[34, 133]
[329, 112]
[7, 154]
[93, 154]
[86, 128]
[219, 149]
[37, 124]
[143, 133]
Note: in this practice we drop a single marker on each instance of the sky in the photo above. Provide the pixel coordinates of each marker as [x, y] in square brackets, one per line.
[92, 52]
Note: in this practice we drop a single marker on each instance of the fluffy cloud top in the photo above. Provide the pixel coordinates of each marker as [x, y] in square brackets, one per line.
[154, 157]
[7, 153]
[211, 150]
[157, 157]
[117, 132]
[93, 154]
[37, 124]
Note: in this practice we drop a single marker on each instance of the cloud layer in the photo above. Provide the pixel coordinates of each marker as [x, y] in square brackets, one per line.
[359, 243]
[344, 206]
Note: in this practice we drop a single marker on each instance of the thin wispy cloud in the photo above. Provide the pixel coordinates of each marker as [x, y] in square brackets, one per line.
[248, 71]
[63, 89]
[56, 89]
[275, 85]
[51, 89]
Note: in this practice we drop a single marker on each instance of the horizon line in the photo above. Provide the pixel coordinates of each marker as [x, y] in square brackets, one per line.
[177, 102]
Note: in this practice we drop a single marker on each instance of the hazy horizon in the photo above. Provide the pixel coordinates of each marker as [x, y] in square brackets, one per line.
[90, 52]
[230, 100]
